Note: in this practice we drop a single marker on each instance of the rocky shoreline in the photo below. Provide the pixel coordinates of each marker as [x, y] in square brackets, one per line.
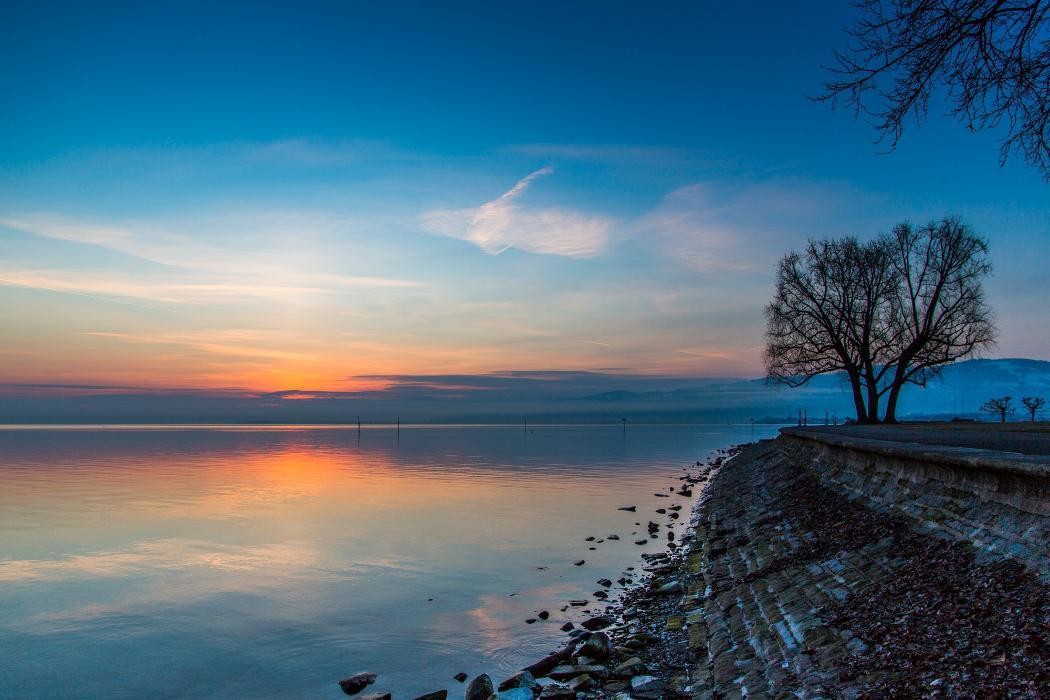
[781, 587]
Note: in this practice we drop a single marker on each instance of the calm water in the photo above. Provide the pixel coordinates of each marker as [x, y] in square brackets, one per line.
[271, 562]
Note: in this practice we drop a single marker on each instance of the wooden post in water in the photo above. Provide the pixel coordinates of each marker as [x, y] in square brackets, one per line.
[624, 426]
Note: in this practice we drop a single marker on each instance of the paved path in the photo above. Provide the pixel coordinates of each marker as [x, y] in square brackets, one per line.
[1023, 438]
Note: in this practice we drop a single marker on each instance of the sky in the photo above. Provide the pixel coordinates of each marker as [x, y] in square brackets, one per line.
[281, 197]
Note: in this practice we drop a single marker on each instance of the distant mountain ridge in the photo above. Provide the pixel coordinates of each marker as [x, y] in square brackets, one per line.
[569, 397]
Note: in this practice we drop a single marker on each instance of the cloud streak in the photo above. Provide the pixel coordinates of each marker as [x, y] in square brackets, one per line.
[502, 223]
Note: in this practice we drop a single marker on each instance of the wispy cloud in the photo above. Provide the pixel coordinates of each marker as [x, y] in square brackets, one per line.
[502, 223]
[213, 264]
[727, 226]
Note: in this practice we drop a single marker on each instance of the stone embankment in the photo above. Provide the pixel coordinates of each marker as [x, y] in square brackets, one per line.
[823, 564]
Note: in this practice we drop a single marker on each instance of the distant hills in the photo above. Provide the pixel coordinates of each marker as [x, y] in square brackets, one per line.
[570, 397]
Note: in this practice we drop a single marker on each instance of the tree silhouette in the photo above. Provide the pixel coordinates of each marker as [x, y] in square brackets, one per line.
[939, 312]
[990, 57]
[1033, 404]
[1000, 407]
[885, 313]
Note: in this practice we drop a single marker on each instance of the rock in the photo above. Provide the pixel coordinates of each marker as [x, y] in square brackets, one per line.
[604, 582]
[567, 627]
[628, 508]
[601, 595]
[641, 541]
[647, 687]
[564, 673]
[521, 679]
[436, 695]
[669, 588]
[460, 676]
[515, 694]
[357, 682]
[577, 603]
[630, 612]
[581, 682]
[629, 668]
[530, 620]
[480, 688]
[543, 614]
[544, 665]
[661, 511]
[556, 691]
[598, 646]
[613, 537]
[589, 539]
[597, 623]
[581, 562]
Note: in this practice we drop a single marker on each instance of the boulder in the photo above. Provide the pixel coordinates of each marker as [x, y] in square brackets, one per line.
[567, 672]
[556, 691]
[604, 582]
[647, 687]
[597, 623]
[521, 679]
[357, 682]
[544, 665]
[669, 588]
[480, 688]
[597, 646]
[461, 676]
[515, 694]
[581, 682]
[436, 695]
[629, 668]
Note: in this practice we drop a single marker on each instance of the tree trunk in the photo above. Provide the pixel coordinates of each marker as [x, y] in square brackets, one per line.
[858, 397]
[891, 403]
[873, 396]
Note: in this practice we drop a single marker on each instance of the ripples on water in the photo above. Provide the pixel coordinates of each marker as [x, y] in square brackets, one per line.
[272, 561]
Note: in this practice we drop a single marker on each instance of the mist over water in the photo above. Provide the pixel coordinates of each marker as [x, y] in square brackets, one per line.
[273, 561]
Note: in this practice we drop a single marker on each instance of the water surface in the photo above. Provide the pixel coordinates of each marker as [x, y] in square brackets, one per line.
[272, 561]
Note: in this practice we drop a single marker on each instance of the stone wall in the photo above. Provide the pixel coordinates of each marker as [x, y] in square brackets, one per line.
[999, 502]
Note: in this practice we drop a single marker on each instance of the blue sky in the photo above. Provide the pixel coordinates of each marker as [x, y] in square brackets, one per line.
[280, 196]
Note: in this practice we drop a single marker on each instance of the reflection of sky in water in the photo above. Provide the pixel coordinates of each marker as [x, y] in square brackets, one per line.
[273, 562]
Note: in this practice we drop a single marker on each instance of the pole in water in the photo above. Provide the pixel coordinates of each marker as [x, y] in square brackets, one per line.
[526, 424]
[624, 426]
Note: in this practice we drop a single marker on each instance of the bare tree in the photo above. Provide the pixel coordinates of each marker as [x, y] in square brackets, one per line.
[939, 312]
[1033, 404]
[818, 318]
[885, 313]
[991, 57]
[1000, 407]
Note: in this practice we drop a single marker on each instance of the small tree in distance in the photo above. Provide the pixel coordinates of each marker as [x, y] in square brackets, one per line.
[1033, 404]
[999, 407]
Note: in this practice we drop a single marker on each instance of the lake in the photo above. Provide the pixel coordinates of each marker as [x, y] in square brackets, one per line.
[241, 561]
